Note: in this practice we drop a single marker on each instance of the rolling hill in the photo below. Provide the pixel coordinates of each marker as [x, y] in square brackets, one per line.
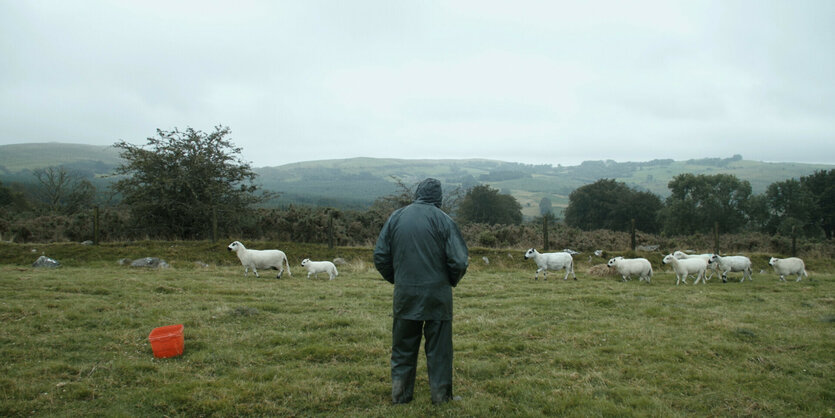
[357, 182]
[20, 157]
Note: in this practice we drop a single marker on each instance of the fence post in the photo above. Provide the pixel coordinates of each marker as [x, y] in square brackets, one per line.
[96, 225]
[716, 237]
[632, 232]
[545, 232]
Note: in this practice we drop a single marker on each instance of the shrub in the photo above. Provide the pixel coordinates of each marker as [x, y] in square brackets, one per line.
[487, 239]
[299, 224]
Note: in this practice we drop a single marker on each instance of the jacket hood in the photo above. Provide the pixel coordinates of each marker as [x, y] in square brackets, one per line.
[429, 191]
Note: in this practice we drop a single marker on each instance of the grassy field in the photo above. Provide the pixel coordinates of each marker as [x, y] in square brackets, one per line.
[74, 341]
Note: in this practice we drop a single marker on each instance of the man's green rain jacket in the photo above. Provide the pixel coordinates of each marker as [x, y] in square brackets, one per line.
[422, 252]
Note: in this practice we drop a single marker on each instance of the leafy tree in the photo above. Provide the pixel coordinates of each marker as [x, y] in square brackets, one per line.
[484, 204]
[697, 202]
[821, 185]
[62, 191]
[758, 213]
[643, 206]
[791, 205]
[12, 200]
[12, 204]
[177, 182]
[609, 204]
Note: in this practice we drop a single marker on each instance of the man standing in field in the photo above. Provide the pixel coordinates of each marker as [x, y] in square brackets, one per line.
[421, 251]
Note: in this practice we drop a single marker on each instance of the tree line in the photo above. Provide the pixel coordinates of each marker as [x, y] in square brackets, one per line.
[802, 207]
[191, 184]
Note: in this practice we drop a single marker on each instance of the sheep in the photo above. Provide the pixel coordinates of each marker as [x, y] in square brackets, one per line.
[733, 263]
[263, 259]
[316, 267]
[551, 261]
[632, 266]
[685, 266]
[791, 265]
[710, 266]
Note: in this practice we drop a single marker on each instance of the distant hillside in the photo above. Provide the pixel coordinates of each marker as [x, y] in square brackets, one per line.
[19, 157]
[357, 182]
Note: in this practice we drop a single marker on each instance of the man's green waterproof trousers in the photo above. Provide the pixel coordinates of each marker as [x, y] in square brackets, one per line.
[406, 336]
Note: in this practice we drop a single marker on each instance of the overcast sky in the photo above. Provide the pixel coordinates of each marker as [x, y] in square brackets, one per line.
[527, 81]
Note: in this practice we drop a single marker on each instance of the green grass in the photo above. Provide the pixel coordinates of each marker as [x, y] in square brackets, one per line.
[74, 342]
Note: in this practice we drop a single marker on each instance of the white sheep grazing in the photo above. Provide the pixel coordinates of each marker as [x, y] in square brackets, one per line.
[316, 267]
[685, 266]
[733, 263]
[710, 266]
[791, 265]
[627, 267]
[551, 261]
[260, 259]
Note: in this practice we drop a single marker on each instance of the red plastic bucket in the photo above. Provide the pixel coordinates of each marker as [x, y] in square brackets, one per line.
[167, 341]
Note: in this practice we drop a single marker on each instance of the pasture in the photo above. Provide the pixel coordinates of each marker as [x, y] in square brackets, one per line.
[74, 341]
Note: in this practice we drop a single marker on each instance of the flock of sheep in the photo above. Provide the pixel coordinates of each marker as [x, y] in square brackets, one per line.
[277, 260]
[683, 265]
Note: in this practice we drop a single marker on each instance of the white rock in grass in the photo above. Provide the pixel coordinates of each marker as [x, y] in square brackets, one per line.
[44, 261]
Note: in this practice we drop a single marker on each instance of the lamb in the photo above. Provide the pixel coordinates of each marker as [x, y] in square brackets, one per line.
[685, 266]
[791, 265]
[551, 261]
[316, 267]
[632, 266]
[263, 259]
[733, 263]
[710, 266]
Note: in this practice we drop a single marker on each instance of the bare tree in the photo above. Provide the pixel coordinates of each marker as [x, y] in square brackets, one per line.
[62, 191]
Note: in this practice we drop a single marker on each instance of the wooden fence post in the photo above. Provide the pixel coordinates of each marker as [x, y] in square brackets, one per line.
[632, 232]
[716, 237]
[545, 232]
